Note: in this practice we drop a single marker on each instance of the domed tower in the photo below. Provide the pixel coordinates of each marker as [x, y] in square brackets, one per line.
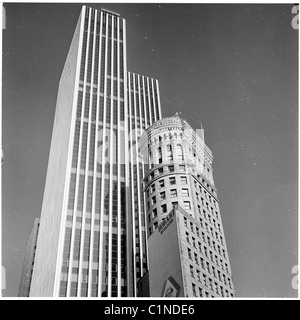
[177, 163]
[186, 244]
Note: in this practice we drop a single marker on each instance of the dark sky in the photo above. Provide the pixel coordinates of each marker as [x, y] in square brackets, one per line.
[233, 68]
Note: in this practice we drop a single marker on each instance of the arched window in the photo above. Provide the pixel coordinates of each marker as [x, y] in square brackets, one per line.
[179, 152]
[169, 152]
[159, 154]
[150, 159]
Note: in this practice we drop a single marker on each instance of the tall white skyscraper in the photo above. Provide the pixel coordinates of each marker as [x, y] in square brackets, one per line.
[92, 236]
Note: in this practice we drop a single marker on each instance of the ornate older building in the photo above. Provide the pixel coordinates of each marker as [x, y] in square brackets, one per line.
[186, 242]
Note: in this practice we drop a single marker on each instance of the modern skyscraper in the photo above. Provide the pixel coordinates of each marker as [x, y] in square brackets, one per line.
[92, 231]
[186, 242]
[28, 263]
[143, 110]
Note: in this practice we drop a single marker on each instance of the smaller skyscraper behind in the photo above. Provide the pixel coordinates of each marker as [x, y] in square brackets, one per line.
[186, 244]
[26, 275]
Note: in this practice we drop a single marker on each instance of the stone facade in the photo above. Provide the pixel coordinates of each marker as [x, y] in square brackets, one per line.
[179, 175]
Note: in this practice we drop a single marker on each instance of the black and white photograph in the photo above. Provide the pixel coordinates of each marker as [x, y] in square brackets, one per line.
[149, 150]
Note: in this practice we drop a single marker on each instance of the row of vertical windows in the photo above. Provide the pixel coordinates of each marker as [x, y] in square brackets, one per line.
[89, 185]
[203, 249]
[137, 103]
[216, 233]
[199, 291]
[205, 265]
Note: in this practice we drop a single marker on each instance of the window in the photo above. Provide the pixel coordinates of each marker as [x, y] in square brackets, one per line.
[194, 290]
[189, 253]
[210, 283]
[201, 292]
[164, 208]
[169, 152]
[182, 167]
[216, 288]
[172, 180]
[222, 291]
[153, 200]
[208, 241]
[226, 267]
[159, 155]
[199, 246]
[162, 195]
[161, 183]
[214, 245]
[219, 275]
[209, 217]
[171, 168]
[221, 238]
[155, 225]
[205, 252]
[205, 279]
[173, 193]
[183, 180]
[153, 188]
[198, 275]
[187, 205]
[194, 242]
[216, 260]
[185, 221]
[192, 226]
[160, 170]
[201, 222]
[185, 192]
[179, 152]
[187, 237]
[192, 271]
[207, 266]
[213, 271]
[154, 213]
[174, 204]
[202, 263]
[196, 258]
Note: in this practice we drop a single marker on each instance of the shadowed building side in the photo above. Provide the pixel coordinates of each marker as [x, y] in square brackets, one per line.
[28, 264]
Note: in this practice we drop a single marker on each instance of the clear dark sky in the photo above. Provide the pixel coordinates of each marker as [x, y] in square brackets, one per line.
[234, 68]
